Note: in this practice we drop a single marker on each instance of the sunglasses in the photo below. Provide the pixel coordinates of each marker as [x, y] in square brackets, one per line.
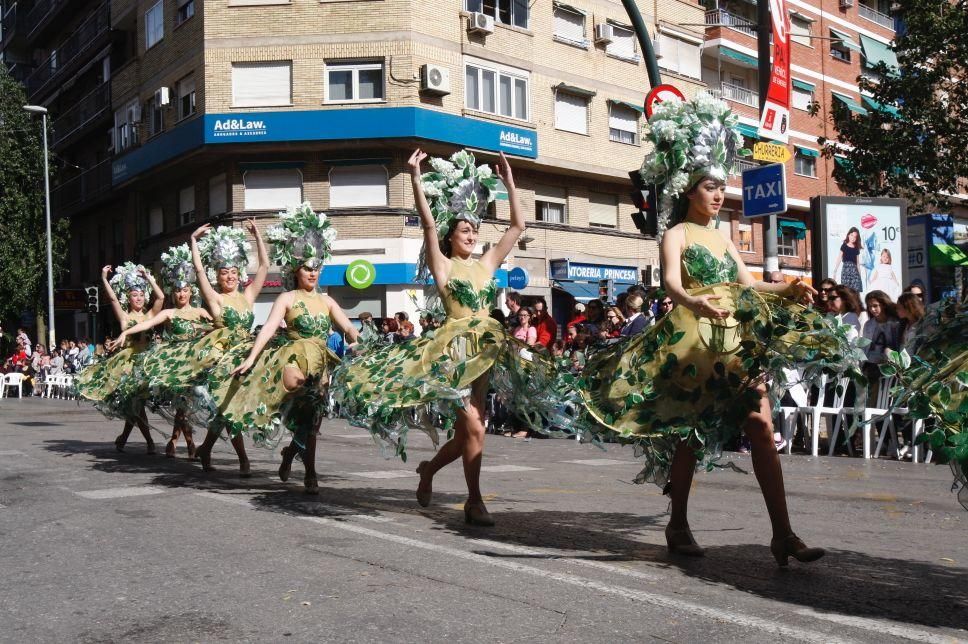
[827, 290]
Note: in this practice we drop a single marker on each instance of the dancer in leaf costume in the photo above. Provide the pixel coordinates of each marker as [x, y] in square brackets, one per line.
[279, 381]
[107, 381]
[446, 375]
[162, 373]
[682, 388]
[221, 256]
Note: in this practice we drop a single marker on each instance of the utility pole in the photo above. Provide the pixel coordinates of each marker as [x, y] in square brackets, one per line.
[645, 41]
[764, 28]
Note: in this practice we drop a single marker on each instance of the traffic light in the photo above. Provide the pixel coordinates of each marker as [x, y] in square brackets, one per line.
[93, 304]
[606, 290]
[645, 197]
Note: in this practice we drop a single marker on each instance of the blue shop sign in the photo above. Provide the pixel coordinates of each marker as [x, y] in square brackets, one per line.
[563, 269]
[518, 278]
[391, 273]
[326, 125]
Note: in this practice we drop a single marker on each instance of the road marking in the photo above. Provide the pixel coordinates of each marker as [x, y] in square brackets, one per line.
[306, 506]
[599, 462]
[359, 435]
[12, 452]
[866, 624]
[120, 492]
[590, 563]
[743, 621]
[385, 474]
[509, 468]
[228, 498]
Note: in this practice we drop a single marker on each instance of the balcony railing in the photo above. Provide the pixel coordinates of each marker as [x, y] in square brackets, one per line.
[872, 14]
[13, 23]
[741, 95]
[73, 193]
[744, 164]
[85, 111]
[723, 18]
[83, 38]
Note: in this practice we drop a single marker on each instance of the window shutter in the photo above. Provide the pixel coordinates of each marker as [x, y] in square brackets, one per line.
[602, 210]
[623, 42]
[622, 118]
[217, 195]
[690, 55]
[259, 84]
[186, 200]
[271, 189]
[571, 113]
[569, 25]
[156, 220]
[357, 186]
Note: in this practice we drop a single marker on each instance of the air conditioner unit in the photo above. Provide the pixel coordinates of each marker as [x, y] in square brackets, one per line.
[162, 97]
[657, 47]
[135, 113]
[652, 275]
[604, 33]
[478, 22]
[844, 4]
[435, 79]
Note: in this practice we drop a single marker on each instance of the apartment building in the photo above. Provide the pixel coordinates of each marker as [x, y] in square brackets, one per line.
[833, 43]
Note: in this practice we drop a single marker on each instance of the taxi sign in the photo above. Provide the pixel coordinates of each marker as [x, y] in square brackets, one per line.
[771, 152]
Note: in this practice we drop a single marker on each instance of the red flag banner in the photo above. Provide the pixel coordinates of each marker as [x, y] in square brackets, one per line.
[775, 119]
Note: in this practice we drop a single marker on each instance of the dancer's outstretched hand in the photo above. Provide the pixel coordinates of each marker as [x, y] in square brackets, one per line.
[704, 306]
[106, 270]
[415, 160]
[116, 343]
[201, 230]
[800, 291]
[243, 368]
[504, 171]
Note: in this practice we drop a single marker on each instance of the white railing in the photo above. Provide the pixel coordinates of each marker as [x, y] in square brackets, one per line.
[872, 14]
[723, 18]
[741, 95]
[744, 164]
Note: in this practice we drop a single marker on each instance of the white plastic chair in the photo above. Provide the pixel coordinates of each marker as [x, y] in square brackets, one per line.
[868, 414]
[889, 432]
[788, 415]
[13, 380]
[813, 413]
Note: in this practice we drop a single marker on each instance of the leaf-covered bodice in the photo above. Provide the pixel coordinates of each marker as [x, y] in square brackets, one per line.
[308, 317]
[137, 340]
[706, 259]
[470, 290]
[236, 312]
[186, 324]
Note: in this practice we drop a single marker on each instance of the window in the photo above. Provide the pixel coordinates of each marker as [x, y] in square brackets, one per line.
[571, 112]
[496, 89]
[679, 55]
[507, 12]
[272, 189]
[602, 210]
[354, 82]
[838, 47]
[261, 84]
[358, 186]
[551, 204]
[186, 97]
[800, 30]
[186, 205]
[156, 118]
[805, 162]
[744, 242]
[186, 9]
[569, 25]
[217, 195]
[623, 43]
[154, 24]
[786, 242]
[623, 123]
[801, 96]
[125, 123]
[156, 221]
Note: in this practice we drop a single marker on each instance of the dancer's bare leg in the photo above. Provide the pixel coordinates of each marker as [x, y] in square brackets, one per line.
[680, 483]
[467, 444]
[145, 431]
[766, 466]
[122, 438]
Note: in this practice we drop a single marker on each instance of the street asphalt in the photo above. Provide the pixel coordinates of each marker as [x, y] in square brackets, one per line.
[101, 546]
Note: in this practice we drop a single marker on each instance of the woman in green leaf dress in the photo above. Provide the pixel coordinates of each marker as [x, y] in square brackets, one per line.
[162, 366]
[107, 381]
[220, 255]
[279, 381]
[681, 389]
[448, 373]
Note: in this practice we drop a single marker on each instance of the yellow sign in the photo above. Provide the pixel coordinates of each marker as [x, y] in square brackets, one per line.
[772, 152]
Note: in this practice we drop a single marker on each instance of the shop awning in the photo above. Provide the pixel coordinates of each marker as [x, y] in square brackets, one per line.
[581, 291]
[798, 228]
[738, 56]
[748, 130]
[880, 107]
[573, 89]
[807, 152]
[632, 106]
[804, 85]
[878, 52]
[846, 40]
[568, 7]
[947, 255]
[850, 103]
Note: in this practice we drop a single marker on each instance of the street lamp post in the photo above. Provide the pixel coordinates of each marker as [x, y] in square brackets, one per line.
[37, 109]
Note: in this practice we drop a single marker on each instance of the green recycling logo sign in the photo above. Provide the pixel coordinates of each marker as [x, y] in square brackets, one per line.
[360, 274]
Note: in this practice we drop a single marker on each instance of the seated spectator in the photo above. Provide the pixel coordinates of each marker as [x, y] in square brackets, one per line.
[405, 334]
[845, 304]
[390, 329]
[56, 363]
[883, 331]
[336, 343]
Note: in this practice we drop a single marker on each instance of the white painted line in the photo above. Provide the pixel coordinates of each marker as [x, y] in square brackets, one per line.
[730, 616]
[12, 452]
[120, 492]
[360, 435]
[599, 462]
[2, 506]
[386, 474]
[509, 468]
[589, 563]
[878, 626]
[228, 498]
[344, 513]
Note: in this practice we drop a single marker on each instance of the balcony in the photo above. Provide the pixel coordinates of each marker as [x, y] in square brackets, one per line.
[741, 164]
[70, 196]
[872, 14]
[92, 33]
[13, 26]
[740, 95]
[723, 18]
[40, 19]
[84, 113]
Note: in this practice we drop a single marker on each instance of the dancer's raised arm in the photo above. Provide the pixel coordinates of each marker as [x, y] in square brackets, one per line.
[338, 316]
[436, 260]
[156, 291]
[493, 258]
[212, 299]
[112, 296]
[144, 325]
[255, 286]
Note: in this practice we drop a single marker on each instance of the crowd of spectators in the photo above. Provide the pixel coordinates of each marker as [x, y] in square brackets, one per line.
[36, 363]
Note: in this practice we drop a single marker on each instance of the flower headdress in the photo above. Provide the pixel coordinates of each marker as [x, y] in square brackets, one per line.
[129, 277]
[456, 189]
[692, 139]
[177, 270]
[302, 237]
[225, 247]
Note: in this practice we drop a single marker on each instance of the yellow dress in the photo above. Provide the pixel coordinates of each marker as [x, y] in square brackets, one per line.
[258, 402]
[694, 378]
[423, 382]
[104, 380]
[169, 371]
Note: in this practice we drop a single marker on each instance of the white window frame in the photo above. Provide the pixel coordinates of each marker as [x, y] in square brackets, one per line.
[238, 65]
[124, 136]
[186, 211]
[360, 202]
[796, 92]
[635, 132]
[610, 47]
[184, 12]
[544, 199]
[513, 73]
[155, 110]
[803, 38]
[797, 158]
[218, 192]
[154, 24]
[667, 58]
[273, 205]
[577, 13]
[180, 90]
[495, 12]
[748, 229]
[559, 125]
[787, 249]
[614, 214]
[355, 68]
